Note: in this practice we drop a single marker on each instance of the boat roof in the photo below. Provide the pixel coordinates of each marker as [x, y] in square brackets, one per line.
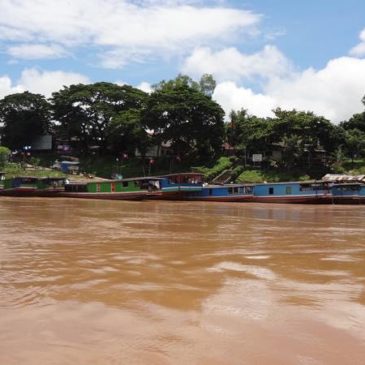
[52, 178]
[24, 177]
[348, 183]
[81, 182]
[184, 174]
[293, 182]
[240, 185]
[335, 178]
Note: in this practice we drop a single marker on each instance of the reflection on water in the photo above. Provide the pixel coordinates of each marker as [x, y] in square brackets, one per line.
[93, 282]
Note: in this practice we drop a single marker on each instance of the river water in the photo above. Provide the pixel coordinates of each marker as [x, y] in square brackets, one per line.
[109, 282]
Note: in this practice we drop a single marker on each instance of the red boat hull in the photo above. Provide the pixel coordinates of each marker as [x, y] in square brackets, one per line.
[306, 199]
[108, 196]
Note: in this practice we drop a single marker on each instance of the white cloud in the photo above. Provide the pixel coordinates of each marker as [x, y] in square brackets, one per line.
[145, 86]
[118, 58]
[232, 97]
[334, 91]
[121, 26]
[7, 87]
[36, 51]
[231, 64]
[46, 82]
[359, 50]
[42, 82]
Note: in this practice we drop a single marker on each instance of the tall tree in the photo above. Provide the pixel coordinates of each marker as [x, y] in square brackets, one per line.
[24, 116]
[95, 114]
[249, 134]
[178, 112]
[304, 134]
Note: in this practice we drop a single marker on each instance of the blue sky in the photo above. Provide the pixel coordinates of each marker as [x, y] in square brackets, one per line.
[308, 55]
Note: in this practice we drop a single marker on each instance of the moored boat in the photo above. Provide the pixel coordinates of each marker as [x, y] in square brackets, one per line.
[125, 189]
[223, 193]
[312, 192]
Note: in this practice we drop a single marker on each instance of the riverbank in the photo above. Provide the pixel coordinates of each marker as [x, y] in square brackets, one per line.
[134, 167]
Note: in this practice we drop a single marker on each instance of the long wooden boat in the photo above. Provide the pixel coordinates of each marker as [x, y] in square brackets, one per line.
[223, 193]
[125, 189]
[348, 193]
[315, 192]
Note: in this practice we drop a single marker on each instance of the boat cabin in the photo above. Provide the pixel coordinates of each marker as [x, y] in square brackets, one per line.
[189, 181]
[228, 192]
[293, 192]
[21, 182]
[115, 186]
[50, 183]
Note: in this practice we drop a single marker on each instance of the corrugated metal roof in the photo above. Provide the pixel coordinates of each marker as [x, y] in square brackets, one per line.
[343, 178]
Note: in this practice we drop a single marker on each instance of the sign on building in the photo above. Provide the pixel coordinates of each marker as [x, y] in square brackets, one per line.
[257, 157]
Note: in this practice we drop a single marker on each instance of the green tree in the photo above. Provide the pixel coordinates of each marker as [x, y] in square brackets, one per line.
[178, 112]
[303, 135]
[101, 114]
[357, 121]
[249, 134]
[125, 133]
[24, 116]
[355, 143]
[4, 156]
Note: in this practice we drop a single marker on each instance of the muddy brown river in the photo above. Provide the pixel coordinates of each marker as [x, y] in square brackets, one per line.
[99, 282]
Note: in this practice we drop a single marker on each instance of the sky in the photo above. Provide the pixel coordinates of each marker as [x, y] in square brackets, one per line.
[302, 54]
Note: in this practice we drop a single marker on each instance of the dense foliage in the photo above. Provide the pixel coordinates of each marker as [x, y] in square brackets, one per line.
[23, 116]
[111, 121]
[178, 112]
[104, 116]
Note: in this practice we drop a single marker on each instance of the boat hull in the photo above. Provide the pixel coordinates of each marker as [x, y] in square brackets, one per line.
[305, 199]
[21, 192]
[140, 195]
[237, 198]
[349, 200]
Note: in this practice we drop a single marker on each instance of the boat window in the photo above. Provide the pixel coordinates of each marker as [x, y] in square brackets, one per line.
[349, 187]
[271, 191]
[235, 190]
[210, 191]
[76, 188]
[312, 187]
[125, 184]
[288, 190]
[305, 187]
